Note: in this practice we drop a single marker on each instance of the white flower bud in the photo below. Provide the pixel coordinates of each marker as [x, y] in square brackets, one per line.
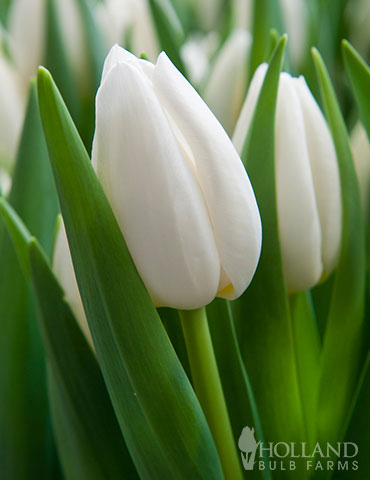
[307, 181]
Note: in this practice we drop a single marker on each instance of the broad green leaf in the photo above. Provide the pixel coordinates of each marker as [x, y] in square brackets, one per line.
[239, 396]
[169, 31]
[359, 75]
[262, 313]
[343, 339]
[138, 362]
[25, 432]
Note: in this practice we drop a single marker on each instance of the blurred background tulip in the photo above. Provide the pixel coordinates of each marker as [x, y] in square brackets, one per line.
[12, 105]
[224, 91]
[128, 22]
[361, 157]
[307, 181]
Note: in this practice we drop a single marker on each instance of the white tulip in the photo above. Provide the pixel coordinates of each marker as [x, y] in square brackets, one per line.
[12, 106]
[196, 53]
[207, 13]
[176, 184]
[361, 156]
[119, 19]
[64, 271]
[27, 28]
[226, 85]
[307, 181]
[295, 16]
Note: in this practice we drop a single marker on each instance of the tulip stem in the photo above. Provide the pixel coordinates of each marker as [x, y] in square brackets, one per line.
[208, 388]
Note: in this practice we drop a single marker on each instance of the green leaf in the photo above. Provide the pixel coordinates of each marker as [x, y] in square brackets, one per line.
[96, 55]
[139, 365]
[90, 442]
[358, 428]
[266, 15]
[25, 431]
[56, 60]
[264, 323]
[169, 31]
[307, 350]
[359, 75]
[89, 439]
[239, 396]
[18, 233]
[342, 345]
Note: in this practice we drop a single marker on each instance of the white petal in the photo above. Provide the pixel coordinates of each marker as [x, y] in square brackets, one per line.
[223, 179]
[153, 192]
[12, 103]
[298, 215]
[325, 174]
[64, 271]
[248, 108]
[225, 89]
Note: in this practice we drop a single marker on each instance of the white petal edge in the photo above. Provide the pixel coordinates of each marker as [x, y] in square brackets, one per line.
[248, 108]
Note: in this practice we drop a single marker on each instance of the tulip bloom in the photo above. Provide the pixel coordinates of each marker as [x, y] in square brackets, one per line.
[123, 19]
[226, 85]
[307, 181]
[12, 105]
[176, 184]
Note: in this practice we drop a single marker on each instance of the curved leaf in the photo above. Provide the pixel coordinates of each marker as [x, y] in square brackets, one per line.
[343, 339]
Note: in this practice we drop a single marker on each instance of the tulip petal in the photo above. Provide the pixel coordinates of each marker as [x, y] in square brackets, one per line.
[229, 76]
[325, 172]
[157, 201]
[246, 114]
[299, 224]
[64, 271]
[225, 184]
[11, 112]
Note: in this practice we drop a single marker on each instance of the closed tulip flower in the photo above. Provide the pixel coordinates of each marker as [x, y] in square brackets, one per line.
[176, 184]
[226, 85]
[12, 105]
[361, 157]
[307, 181]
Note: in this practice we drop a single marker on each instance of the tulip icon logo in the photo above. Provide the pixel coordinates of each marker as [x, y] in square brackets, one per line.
[248, 446]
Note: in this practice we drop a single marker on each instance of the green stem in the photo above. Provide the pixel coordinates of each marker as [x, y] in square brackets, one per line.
[208, 387]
